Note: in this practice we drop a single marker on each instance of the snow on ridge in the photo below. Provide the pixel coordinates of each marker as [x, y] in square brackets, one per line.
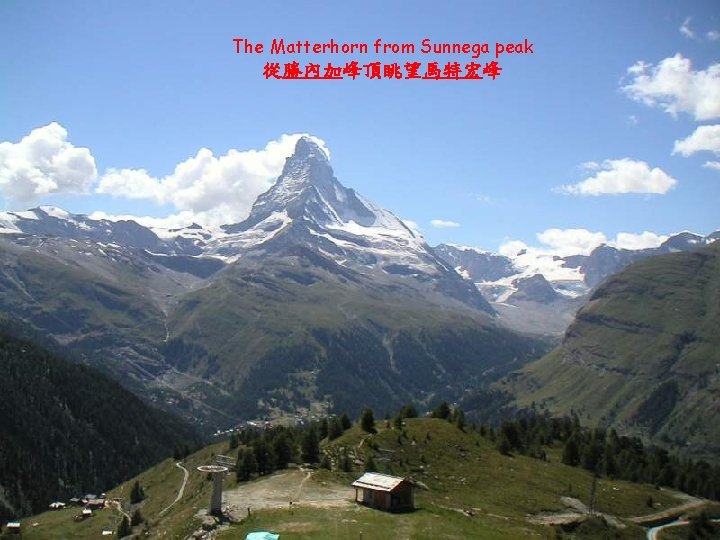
[55, 212]
[8, 223]
[254, 236]
[27, 214]
[474, 250]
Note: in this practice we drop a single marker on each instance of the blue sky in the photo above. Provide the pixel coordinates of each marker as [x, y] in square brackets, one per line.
[144, 86]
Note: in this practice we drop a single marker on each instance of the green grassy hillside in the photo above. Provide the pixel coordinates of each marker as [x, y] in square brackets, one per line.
[643, 355]
[467, 490]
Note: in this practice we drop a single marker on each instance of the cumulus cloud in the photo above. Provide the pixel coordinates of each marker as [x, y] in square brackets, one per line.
[643, 240]
[444, 224]
[616, 176]
[571, 241]
[685, 29]
[563, 242]
[173, 221]
[43, 163]
[511, 248]
[712, 165]
[213, 189]
[673, 85]
[713, 35]
[705, 138]
[546, 256]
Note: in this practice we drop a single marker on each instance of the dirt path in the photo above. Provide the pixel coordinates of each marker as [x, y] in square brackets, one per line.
[653, 533]
[119, 508]
[280, 489]
[577, 511]
[181, 491]
[691, 503]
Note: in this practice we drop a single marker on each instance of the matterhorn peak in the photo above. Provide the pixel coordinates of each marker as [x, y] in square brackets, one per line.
[306, 147]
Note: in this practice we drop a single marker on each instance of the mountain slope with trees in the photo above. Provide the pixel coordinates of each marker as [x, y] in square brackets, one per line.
[642, 356]
[69, 430]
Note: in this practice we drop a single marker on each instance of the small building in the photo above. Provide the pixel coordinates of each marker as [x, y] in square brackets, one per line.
[57, 505]
[87, 512]
[13, 527]
[385, 492]
[95, 503]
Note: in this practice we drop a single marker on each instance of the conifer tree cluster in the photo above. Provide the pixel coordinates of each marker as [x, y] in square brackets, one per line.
[606, 453]
[264, 451]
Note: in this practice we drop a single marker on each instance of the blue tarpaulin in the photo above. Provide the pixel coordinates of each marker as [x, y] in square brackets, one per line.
[262, 535]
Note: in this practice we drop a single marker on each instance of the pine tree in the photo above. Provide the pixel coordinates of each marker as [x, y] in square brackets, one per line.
[263, 456]
[310, 446]
[571, 451]
[233, 441]
[124, 529]
[137, 493]
[408, 411]
[247, 465]
[323, 432]
[370, 464]
[345, 421]
[136, 518]
[459, 418]
[335, 428]
[442, 411]
[282, 450]
[503, 445]
[367, 421]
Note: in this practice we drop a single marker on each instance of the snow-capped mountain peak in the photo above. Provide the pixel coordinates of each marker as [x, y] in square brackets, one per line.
[308, 199]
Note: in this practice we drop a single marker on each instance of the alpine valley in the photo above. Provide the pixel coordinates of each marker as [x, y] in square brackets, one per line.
[318, 301]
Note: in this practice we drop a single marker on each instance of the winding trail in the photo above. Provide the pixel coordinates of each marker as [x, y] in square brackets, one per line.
[181, 491]
[653, 532]
[119, 508]
[300, 486]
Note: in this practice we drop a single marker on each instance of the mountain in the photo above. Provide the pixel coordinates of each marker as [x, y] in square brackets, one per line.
[642, 355]
[504, 279]
[319, 298]
[328, 297]
[69, 430]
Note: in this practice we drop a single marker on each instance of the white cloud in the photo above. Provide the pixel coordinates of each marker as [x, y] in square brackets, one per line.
[213, 189]
[713, 35]
[173, 221]
[44, 163]
[571, 241]
[705, 138]
[510, 248]
[615, 176]
[563, 242]
[712, 165]
[643, 240]
[685, 29]
[674, 86]
[444, 224]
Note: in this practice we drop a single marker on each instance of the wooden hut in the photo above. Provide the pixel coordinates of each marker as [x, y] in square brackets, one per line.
[385, 492]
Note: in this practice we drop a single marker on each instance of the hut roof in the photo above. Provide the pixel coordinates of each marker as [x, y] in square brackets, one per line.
[378, 481]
